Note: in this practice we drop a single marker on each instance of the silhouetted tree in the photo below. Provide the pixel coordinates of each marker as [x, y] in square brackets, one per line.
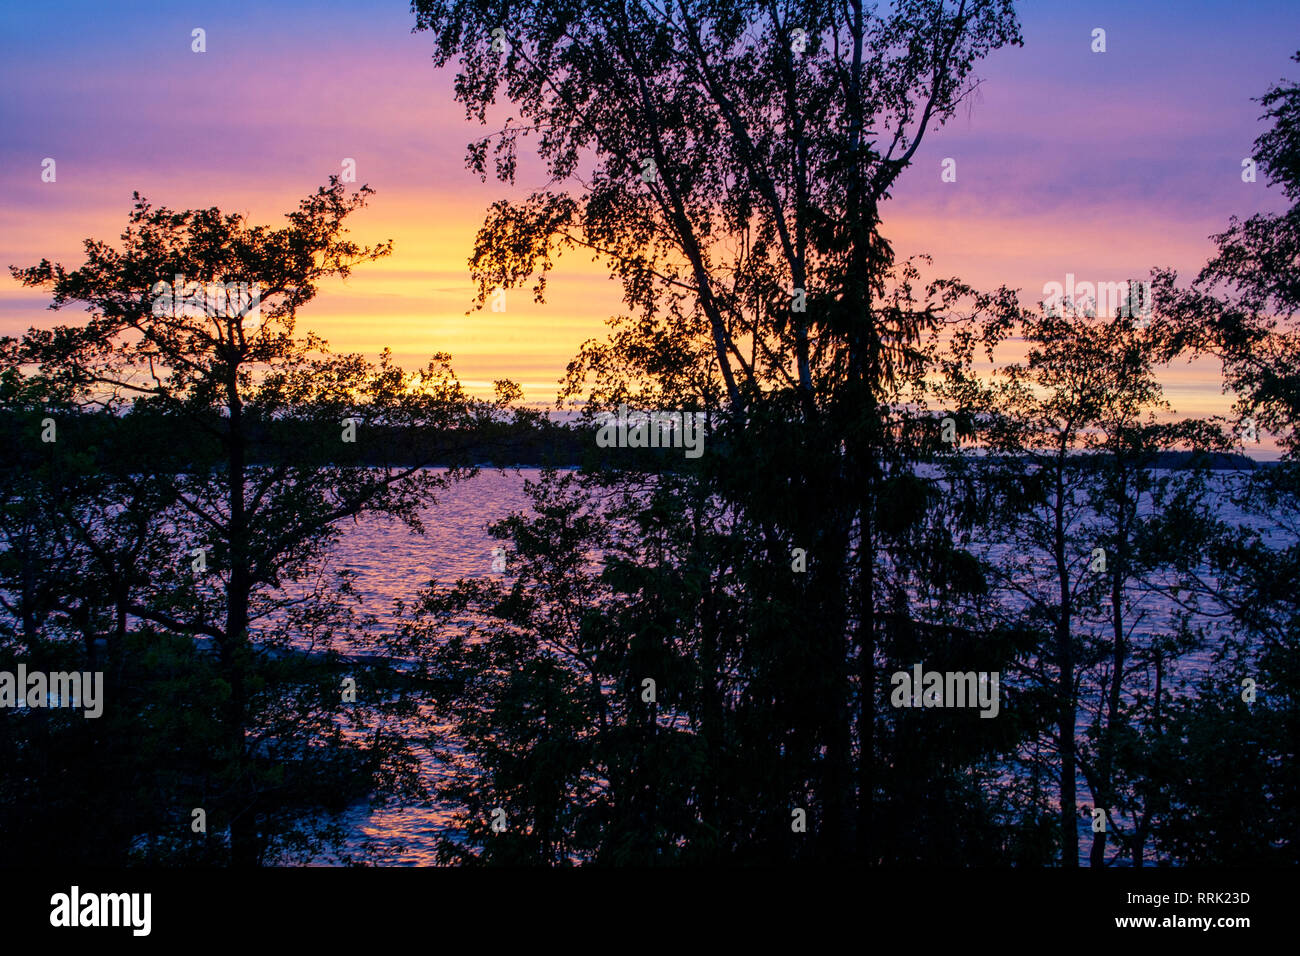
[1243, 307]
[1065, 493]
[729, 161]
[253, 461]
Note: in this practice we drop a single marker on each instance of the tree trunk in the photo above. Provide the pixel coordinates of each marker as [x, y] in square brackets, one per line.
[1066, 706]
[244, 848]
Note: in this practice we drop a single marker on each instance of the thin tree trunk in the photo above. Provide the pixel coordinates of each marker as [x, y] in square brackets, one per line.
[1066, 704]
[243, 822]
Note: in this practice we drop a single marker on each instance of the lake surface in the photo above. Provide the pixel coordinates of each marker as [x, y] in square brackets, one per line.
[391, 563]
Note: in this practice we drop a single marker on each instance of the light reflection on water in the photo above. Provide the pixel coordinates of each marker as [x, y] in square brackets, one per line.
[391, 562]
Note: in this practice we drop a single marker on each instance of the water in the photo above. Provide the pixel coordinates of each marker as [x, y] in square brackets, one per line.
[391, 563]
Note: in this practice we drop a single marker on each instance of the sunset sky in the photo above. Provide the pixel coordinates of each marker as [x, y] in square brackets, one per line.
[1102, 165]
